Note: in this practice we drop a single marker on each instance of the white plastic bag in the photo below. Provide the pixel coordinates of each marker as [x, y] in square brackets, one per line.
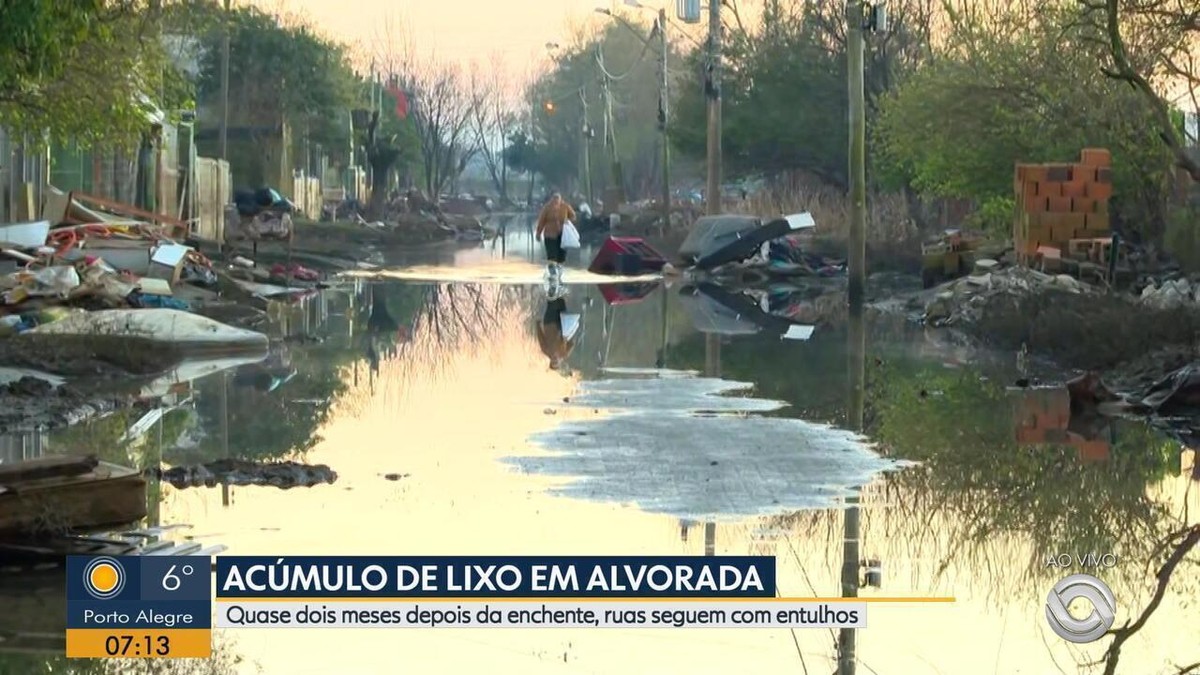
[570, 325]
[570, 235]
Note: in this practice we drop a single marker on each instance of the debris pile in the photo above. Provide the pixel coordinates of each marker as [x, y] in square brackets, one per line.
[963, 300]
[88, 254]
[1171, 294]
[238, 472]
[259, 215]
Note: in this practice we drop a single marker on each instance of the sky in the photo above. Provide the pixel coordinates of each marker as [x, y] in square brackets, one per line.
[455, 30]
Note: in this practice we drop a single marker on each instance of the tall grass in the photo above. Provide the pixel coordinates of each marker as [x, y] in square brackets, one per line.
[893, 237]
[888, 221]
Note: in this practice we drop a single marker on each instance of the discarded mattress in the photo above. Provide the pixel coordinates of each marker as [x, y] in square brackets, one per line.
[168, 327]
[719, 240]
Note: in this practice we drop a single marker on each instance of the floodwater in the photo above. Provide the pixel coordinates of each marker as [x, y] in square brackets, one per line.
[677, 426]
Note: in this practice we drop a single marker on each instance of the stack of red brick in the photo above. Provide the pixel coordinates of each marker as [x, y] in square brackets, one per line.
[1061, 203]
[1043, 417]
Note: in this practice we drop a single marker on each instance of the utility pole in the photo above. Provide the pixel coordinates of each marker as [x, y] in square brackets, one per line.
[662, 119]
[851, 525]
[712, 92]
[586, 147]
[857, 258]
[225, 83]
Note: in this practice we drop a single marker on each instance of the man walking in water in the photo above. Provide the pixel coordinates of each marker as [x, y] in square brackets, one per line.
[549, 230]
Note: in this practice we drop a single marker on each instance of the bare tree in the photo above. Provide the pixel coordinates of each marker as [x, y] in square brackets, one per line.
[442, 112]
[1152, 45]
[495, 103]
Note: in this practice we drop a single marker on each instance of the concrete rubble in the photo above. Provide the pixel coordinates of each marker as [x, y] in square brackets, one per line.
[962, 300]
[1171, 294]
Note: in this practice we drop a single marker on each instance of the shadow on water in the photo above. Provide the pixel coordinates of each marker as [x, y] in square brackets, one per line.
[673, 425]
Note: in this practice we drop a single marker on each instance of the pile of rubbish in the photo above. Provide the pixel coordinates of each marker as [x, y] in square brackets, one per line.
[239, 472]
[415, 217]
[962, 300]
[87, 254]
[720, 245]
[257, 215]
[1170, 294]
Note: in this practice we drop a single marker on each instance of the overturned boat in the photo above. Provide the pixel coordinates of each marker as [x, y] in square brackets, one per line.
[720, 240]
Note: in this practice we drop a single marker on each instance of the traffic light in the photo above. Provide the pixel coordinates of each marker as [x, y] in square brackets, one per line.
[549, 106]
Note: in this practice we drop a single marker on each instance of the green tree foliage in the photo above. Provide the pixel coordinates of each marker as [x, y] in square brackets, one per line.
[784, 104]
[1030, 93]
[959, 427]
[279, 71]
[783, 87]
[556, 108]
[83, 70]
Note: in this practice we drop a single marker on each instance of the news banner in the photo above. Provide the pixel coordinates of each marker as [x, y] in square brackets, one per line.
[161, 607]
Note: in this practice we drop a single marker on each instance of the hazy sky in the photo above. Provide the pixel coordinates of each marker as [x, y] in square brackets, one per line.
[458, 30]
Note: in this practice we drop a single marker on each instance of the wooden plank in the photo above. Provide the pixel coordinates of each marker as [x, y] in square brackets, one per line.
[121, 209]
[47, 467]
[78, 506]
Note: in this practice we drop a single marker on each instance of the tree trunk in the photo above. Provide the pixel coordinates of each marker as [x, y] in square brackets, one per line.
[377, 207]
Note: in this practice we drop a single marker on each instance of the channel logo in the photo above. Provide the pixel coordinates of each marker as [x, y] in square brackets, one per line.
[1097, 622]
[104, 578]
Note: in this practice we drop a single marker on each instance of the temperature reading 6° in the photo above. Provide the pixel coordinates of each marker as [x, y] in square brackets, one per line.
[171, 581]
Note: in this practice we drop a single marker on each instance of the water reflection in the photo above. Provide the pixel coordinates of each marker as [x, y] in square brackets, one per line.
[856, 369]
[558, 331]
[447, 386]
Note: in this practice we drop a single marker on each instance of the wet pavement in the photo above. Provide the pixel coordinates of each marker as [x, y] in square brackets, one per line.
[450, 434]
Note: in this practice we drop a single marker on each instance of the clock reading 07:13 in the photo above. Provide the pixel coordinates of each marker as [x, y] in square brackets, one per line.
[137, 645]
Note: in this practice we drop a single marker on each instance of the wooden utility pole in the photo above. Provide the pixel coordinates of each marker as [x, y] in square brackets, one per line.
[586, 147]
[225, 82]
[851, 527]
[712, 92]
[857, 258]
[662, 119]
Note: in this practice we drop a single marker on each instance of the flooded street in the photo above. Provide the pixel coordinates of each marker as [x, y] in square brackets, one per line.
[888, 468]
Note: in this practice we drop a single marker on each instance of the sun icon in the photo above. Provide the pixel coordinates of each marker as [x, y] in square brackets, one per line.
[104, 578]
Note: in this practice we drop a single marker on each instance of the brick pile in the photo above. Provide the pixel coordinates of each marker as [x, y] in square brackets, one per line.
[1042, 416]
[1062, 208]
